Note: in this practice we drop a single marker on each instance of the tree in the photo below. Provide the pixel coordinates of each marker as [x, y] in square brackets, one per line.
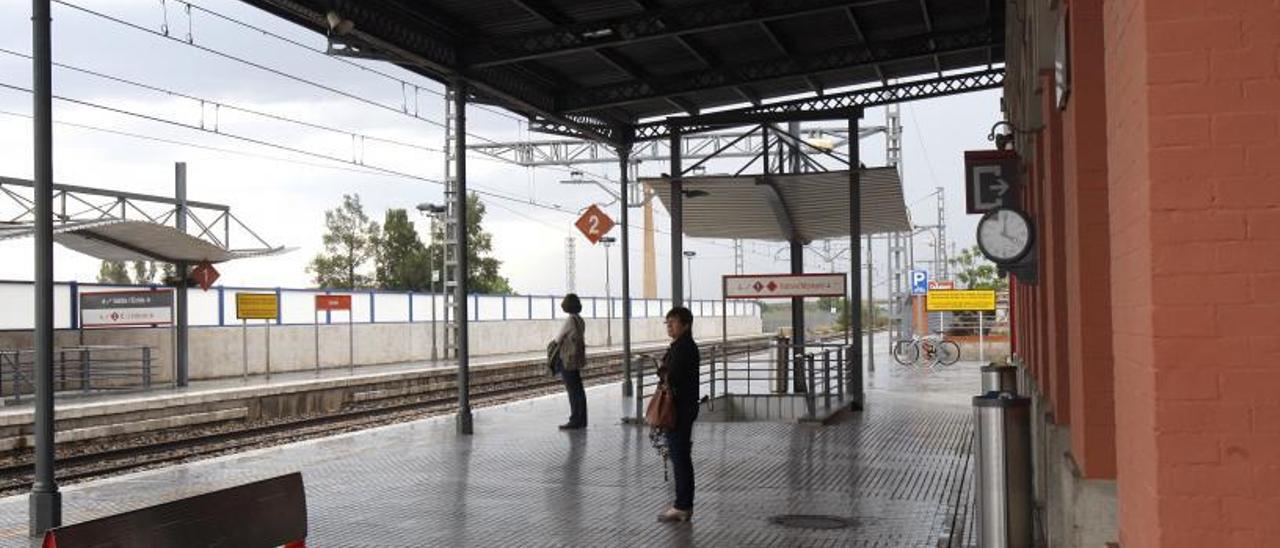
[144, 272]
[974, 271]
[113, 272]
[401, 258]
[483, 271]
[350, 241]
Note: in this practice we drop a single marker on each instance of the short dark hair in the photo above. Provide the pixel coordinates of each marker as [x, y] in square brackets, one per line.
[683, 314]
[571, 304]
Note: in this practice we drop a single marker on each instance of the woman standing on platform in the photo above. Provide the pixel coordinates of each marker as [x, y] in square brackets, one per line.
[680, 372]
[573, 357]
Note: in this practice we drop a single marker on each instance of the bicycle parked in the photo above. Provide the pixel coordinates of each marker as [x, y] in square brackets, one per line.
[930, 350]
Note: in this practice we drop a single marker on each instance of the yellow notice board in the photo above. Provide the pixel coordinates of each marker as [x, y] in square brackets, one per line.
[256, 306]
[956, 300]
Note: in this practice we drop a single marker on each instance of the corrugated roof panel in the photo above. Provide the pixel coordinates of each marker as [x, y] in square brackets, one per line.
[817, 203]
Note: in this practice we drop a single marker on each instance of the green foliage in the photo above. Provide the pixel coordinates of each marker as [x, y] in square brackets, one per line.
[401, 258]
[350, 241]
[143, 272]
[113, 272]
[483, 271]
[973, 271]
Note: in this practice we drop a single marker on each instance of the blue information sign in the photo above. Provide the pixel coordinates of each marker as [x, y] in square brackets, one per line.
[919, 282]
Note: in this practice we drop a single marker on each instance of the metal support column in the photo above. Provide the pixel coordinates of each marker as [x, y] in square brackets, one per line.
[180, 352]
[45, 502]
[460, 317]
[871, 301]
[797, 320]
[677, 220]
[624, 154]
[855, 255]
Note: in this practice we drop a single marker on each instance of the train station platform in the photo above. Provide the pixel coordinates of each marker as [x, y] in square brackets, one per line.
[896, 474]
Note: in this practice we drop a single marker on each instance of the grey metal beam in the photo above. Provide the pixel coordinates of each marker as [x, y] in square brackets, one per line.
[624, 170]
[928, 27]
[44, 509]
[649, 25]
[677, 222]
[825, 107]
[113, 194]
[462, 319]
[855, 256]
[852, 15]
[840, 58]
[571, 152]
[182, 331]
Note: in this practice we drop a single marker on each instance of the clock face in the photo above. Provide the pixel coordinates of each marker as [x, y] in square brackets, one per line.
[1004, 235]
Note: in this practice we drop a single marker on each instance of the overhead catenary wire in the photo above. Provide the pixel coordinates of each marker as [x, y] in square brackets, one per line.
[342, 60]
[305, 81]
[286, 75]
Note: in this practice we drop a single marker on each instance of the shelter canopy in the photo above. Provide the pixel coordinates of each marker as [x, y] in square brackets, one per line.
[147, 241]
[601, 68]
[801, 206]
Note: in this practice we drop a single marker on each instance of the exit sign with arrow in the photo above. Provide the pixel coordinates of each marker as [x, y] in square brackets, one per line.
[992, 180]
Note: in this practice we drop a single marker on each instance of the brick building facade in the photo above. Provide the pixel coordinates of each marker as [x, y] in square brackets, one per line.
[1151, 333]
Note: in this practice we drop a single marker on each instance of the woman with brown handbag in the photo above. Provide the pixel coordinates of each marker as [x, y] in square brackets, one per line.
[679, 374]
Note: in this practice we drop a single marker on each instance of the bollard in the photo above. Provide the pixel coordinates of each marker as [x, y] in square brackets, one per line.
[146, 367]
[826, 379]
[639, 394]
[840, 373]
[1002, 474]
[781, 358]
[999, 378]
[808, 396]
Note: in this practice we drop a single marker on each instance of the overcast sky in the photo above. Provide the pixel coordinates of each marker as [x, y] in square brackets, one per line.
[282, 195]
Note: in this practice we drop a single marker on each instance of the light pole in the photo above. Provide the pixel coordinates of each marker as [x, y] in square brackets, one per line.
[434, 211]
[688, 269]
[608, 295]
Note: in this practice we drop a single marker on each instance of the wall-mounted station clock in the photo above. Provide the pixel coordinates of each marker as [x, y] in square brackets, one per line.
[1005, 235]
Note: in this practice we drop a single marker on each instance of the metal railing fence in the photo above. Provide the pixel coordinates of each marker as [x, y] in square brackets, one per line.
[765, 369]
[79, 368]
[217, 306]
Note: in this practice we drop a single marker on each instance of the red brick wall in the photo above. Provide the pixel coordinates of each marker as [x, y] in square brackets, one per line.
[1193, 100]
[1128, 191]
[1053, 249]
[1087, 248]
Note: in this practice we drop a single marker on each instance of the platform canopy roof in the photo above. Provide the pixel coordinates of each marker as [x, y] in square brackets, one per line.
[616, 70]
[147, 241]
[116, 225]
[801, 206]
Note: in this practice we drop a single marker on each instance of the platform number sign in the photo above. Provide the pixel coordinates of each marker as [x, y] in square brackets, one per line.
[594, 223]
[919, 282]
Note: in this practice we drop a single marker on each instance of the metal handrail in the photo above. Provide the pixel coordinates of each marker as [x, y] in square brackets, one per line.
[82, 368]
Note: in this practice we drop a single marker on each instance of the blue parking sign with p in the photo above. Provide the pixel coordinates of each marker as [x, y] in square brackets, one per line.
[919, 282]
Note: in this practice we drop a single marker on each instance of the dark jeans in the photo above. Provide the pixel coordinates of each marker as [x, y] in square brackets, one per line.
[577, 398]
[680, 448]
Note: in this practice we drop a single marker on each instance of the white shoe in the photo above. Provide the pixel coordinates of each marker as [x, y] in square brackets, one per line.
[673, 514]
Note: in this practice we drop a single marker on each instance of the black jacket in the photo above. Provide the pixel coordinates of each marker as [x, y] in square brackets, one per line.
[682, 363]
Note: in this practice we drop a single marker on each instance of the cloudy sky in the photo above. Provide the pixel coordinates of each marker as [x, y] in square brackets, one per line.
[282, 191]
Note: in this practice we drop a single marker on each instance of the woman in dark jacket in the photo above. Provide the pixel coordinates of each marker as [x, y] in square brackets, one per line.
[573, 358]
[680, 366]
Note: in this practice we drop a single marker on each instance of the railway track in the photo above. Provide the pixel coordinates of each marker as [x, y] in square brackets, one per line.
[141, 452]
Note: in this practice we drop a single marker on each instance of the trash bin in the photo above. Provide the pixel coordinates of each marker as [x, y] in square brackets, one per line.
[999, 378]
[1003, 470]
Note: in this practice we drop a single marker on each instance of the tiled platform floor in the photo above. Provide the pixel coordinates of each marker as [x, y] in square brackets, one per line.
[896, 470]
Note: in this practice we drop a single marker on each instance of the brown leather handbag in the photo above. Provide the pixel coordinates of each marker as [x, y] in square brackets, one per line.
[661, 412]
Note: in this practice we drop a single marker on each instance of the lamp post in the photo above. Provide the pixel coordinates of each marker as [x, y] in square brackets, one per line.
[433, 211]
[608, 294]
[688, 269]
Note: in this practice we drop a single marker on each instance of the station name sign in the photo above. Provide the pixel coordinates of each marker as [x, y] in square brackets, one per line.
[107, 309]
[784, 286]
